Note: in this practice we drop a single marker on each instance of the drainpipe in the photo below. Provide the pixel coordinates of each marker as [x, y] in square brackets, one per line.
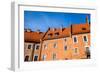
[32, 55]
[71, 31]
[40, 49]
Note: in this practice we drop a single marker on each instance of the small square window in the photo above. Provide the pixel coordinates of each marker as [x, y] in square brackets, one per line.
[29, 46]
[56, 34]
[65, 39]
[37, 47]
[49, 35]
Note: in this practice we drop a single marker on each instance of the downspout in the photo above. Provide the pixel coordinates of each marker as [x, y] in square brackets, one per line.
[32, 55]
[40, 49]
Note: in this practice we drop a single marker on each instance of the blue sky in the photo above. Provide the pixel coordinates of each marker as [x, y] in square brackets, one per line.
[36, 20]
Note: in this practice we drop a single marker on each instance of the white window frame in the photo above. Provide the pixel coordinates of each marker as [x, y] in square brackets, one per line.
[17, 58]
[35, 55]
[86, 38]
[36, 46]
[76, 39]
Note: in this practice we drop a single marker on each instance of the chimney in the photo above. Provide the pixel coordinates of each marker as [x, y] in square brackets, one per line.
[28, 30]
[61, 28]
[38, 31]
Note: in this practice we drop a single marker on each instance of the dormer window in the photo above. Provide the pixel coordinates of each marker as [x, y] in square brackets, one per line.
[83, 28]
[54, 29]
[49, 35]
[56, 34]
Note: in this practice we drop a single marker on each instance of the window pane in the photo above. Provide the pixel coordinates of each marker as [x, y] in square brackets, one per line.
[75, 50]
[35, 58]
[54, 56]
[56, 34]
[75, 39]
[65, 39]
[29, 46]
[87, 52]
[65, 48]
[26, 58]
[37, 47]
[85, 38]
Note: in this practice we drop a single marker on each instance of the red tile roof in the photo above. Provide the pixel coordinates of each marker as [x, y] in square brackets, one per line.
[80, 28]
[32, 36]
[65, 32]
[55, 33]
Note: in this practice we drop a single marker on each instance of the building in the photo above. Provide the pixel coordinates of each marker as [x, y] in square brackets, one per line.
[59, 43]
[32, 45]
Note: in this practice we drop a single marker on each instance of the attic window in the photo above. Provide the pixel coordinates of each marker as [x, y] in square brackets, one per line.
[56, 34]
[49, 35]
[83, 28]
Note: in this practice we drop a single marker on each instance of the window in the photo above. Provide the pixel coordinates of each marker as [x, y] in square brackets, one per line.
[56, 34]
[55, 45]
[44, 57]
[54, 56]
[66, 58]
[75, 39]
[29, 46]
[49, 35]
[83, 28]
[26, 58]
[65, 39]
[85, 39]
[87, 53]
[75, 50]
[37, 47]
[87, 48]
[35, 58]
[65, 47]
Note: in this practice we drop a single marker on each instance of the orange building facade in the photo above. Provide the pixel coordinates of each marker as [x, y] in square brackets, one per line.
[58, 43]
